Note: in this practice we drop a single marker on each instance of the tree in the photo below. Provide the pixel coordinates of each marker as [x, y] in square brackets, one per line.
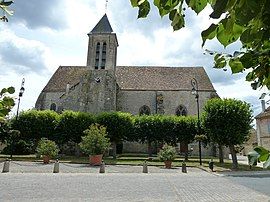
[244, 20]
[118, 125]
[227, 122]
[4, 6]
[6, 102]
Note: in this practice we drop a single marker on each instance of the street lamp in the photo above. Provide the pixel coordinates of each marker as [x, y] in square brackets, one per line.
[22, 89]
[194, 91]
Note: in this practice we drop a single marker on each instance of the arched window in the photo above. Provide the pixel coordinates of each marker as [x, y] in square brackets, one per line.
[97, 55]
[181, 111]
[103, 59]
[144, 110]
[53, 107]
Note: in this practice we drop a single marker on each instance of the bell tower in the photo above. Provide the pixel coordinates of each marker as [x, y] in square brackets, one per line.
[98, 87]
[102, 46]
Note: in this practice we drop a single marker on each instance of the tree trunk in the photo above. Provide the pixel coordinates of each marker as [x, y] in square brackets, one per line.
[234, 158]
[149, 149]
[114, 150]
[220, 154]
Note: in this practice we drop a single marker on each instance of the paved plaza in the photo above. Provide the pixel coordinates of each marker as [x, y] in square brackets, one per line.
[79, 182]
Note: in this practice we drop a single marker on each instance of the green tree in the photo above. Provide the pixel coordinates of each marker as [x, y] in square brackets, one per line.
[227, 122]
[244, 20]
[148, 129]
[118, 125]
[71, 125]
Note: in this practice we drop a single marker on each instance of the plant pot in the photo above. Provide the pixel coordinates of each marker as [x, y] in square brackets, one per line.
[46, 159]
[168, 164]
[95, 160]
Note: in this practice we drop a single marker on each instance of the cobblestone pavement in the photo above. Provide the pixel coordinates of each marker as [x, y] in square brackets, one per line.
[119, 183]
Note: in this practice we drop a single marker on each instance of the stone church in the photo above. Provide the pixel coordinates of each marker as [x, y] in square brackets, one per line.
[101, 85]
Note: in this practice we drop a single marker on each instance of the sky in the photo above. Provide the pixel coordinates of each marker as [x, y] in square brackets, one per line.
[42, 35]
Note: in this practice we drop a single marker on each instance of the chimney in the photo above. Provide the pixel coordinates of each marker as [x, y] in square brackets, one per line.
[263, 105]
[67, 88]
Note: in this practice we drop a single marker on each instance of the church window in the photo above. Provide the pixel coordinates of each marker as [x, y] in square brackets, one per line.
[103, 59]
[97, 55]
[181, 111]
[53, 107]
[144, 110]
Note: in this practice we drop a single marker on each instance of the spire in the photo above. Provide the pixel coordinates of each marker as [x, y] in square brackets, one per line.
[103, 26]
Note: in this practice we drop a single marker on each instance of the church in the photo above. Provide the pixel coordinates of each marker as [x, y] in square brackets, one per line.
[101, 85]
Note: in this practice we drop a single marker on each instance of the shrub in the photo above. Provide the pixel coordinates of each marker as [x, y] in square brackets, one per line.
[71, 126]
[167, 153]
[95, 142]
[47, 147]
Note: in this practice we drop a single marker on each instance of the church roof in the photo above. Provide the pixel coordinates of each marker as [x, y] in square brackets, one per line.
[103, 26]
[63, 76]
[264, 114]
[136, 78]
[162, 78]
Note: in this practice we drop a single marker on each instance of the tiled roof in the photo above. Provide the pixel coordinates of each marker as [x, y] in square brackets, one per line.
[63, 76]
[103, 26]
[137, 78]
[162, 78]
[264, 114]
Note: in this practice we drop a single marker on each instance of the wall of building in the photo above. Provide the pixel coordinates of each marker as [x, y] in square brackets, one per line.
[263, 132]
[131, 101]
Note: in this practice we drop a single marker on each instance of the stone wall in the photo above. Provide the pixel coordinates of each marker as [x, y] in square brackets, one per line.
[263, 132]
[131, 101]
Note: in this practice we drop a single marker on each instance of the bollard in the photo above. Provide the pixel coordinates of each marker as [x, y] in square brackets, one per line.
[6, 166]
[145, 168]
[56, 166]
[184, 167]
[102, 167]
[211, 165]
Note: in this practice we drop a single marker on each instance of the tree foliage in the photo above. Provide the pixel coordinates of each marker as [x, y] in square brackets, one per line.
[71, 125]
[227, 122]
[4, 6]
[244, 20]
[6, 102]
[259, 154]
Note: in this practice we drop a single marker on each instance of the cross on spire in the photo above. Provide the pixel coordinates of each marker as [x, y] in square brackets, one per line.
[106, 6]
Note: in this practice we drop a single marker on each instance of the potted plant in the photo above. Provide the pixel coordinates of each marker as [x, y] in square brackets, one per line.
[167, 154]
[48, 149]
[95, 143]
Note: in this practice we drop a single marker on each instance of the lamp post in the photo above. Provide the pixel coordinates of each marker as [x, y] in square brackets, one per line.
[195, 92]
[22, 89]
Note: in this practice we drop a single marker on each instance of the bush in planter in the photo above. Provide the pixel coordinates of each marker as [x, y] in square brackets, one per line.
[95, 142]
[47, 148]
[167, 154]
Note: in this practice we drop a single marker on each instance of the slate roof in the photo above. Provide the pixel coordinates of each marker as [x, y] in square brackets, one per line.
[103, 26]
[63, 76]
[161, 78]
[136, 78]
[265, 114]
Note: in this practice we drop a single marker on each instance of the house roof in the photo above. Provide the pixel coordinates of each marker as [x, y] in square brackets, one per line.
[136, 78]
[103, 26]
[264, 114]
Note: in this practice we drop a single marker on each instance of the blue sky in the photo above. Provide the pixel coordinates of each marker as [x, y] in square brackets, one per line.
[43, 35]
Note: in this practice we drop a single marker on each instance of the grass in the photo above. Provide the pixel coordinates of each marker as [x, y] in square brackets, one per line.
[138, 159]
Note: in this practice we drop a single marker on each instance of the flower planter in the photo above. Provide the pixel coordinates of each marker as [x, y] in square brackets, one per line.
[168, 164]
[95, 160]
[46, 159]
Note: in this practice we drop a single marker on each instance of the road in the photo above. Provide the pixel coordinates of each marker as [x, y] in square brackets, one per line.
[121, 183]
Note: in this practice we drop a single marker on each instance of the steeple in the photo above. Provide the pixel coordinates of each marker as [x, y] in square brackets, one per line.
[102, 46]
[103, 26]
